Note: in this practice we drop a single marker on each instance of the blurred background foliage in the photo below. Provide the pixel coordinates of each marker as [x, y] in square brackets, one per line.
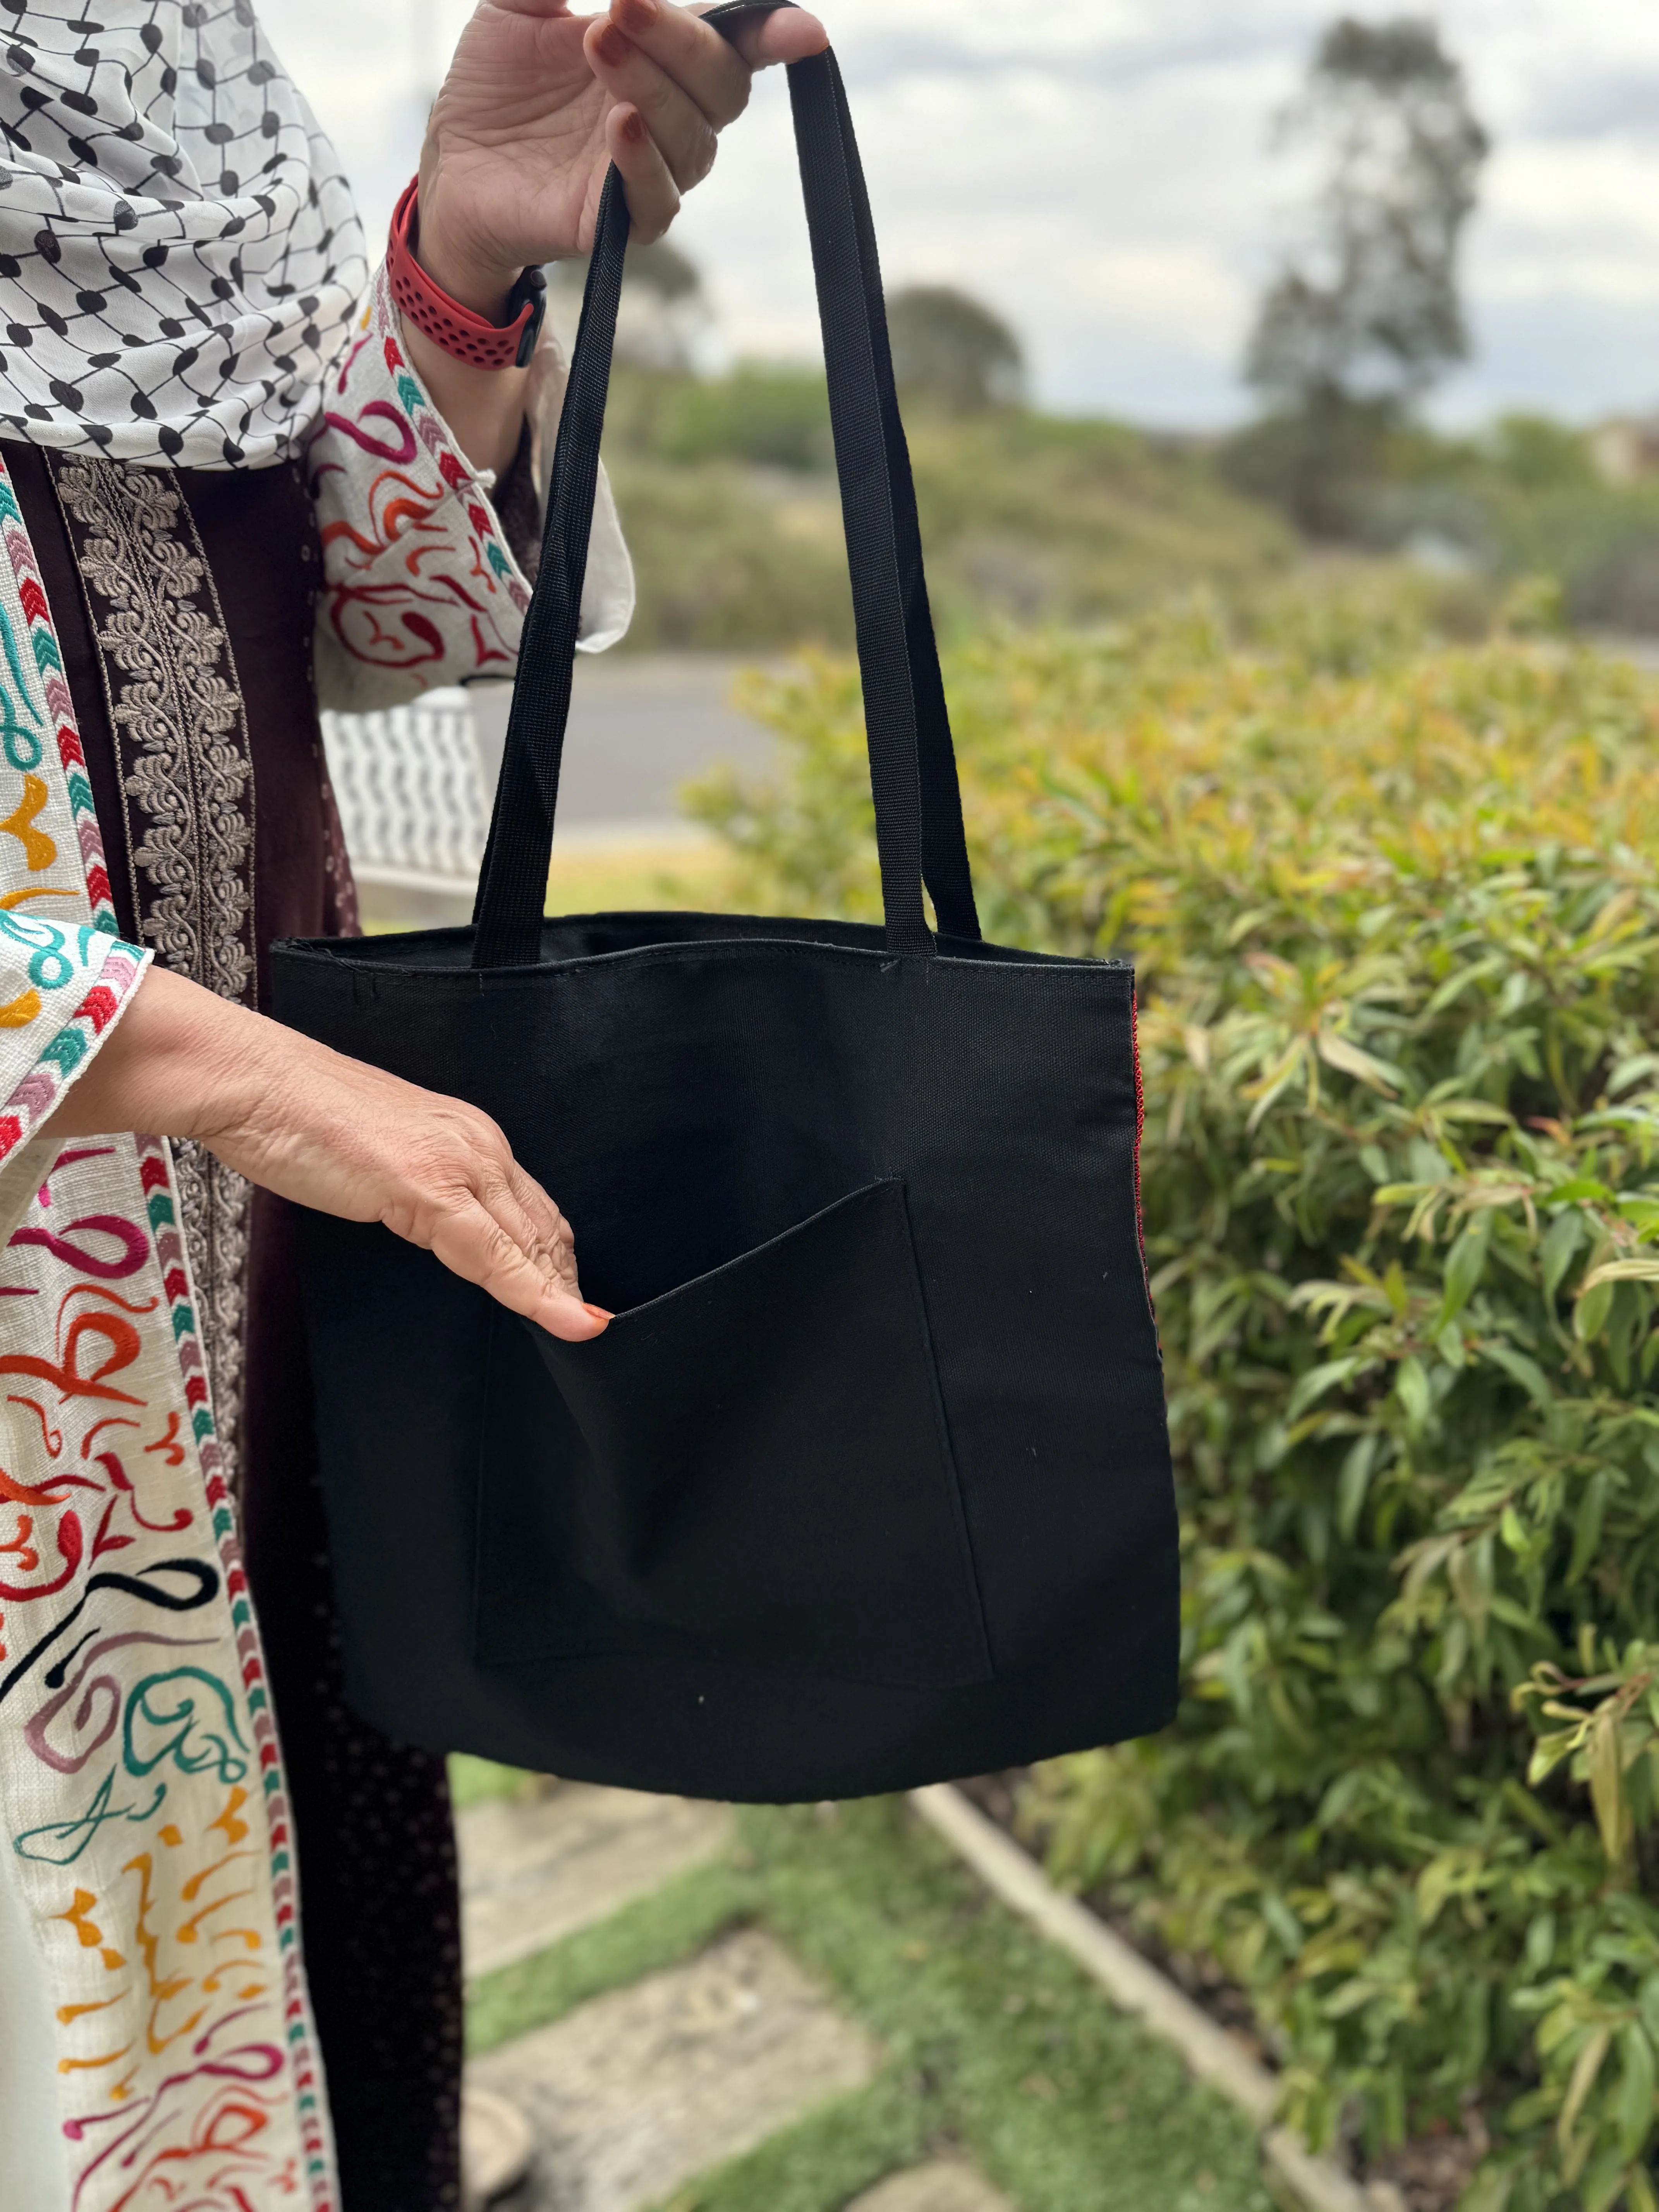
[727, 490]
[1394, 905]
[726, 481]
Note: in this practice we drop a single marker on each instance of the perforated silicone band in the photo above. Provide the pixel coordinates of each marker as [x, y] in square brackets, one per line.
[468, 336]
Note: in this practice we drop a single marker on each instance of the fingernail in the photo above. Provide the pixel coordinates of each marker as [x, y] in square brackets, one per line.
[597, 1312]
[639, 16]
[612, 47]
[632, 127]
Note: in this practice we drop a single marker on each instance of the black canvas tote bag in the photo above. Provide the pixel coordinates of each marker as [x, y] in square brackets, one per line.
[868, 1483]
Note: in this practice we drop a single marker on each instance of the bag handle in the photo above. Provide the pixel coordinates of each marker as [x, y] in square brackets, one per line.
[912, 771]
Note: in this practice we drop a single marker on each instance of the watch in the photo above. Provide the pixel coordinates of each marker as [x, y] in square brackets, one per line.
[468, 336]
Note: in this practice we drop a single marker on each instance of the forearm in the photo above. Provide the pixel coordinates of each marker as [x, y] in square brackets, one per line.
[330, 1132]
[181, 1063]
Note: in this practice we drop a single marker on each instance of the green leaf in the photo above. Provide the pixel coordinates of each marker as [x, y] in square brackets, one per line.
[1490, 2190]
[1412, 1388]
[1353, 1482]
[1603, 2185]
[1465, 1265]
[1592, 2056]
[1587, 1526]
[1589, 1315]
[1341, 1053]
[1449, 1343]
[1633, 2107]
[1520, 1369]
[1540, 1942]
[1561, 1241]
[1435, 1885]
[1314, 1385]
[1582, 1190]
[1283, 1921]
[1621, 1271]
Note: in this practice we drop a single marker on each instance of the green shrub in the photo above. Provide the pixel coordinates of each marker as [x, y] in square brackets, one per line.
[1395, 909]
[726, 563]
[774, 417]
[727, 494]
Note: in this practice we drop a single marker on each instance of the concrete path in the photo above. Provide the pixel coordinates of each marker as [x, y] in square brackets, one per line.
[639, 2092]
[537, 1869]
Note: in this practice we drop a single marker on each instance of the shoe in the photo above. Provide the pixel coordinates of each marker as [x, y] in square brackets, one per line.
[496, 2147]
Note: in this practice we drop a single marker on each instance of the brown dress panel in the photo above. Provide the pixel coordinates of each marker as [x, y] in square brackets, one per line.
[379, 1902]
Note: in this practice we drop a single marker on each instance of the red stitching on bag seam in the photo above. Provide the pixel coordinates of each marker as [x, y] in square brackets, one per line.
[1140, 1131]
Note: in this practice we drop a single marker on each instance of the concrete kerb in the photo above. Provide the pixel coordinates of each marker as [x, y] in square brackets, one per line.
[1317, 2183]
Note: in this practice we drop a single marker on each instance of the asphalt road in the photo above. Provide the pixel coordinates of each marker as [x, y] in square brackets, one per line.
[640, 725]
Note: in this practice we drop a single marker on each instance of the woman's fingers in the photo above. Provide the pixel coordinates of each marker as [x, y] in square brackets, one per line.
[788, 34]
[707, 68]
[546, 1224]
[654, 198]
[547, 1243]
[473, 1243]
[683, 135]
[677, 83]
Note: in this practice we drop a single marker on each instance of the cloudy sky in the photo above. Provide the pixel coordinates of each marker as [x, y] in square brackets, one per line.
[1096, 169]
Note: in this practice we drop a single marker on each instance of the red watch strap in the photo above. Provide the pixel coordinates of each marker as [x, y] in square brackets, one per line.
[468, 336]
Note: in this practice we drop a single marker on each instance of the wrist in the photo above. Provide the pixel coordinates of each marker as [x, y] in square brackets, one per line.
[477, 281]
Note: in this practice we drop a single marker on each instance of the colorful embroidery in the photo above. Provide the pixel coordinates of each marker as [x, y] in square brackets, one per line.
[187, 761]
[419, 584]
[142, 1807]
[393, 585]
[40, 850]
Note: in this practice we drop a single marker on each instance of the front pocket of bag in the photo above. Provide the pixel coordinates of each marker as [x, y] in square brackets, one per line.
[755, 1467]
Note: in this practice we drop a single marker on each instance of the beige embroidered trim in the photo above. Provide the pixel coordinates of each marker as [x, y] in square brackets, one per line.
[175, 709]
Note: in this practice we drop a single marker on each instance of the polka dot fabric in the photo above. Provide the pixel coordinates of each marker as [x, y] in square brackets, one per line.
[179, 255]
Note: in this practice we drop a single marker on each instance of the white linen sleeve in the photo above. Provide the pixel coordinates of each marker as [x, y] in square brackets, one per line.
[420, 586]
[64, 987]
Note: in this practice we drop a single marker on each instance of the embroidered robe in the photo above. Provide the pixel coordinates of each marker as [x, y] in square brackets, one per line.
[155, 2042]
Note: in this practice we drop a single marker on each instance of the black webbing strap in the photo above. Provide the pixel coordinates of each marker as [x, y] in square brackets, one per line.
[944, 847]
[513, 882]
[912, 762]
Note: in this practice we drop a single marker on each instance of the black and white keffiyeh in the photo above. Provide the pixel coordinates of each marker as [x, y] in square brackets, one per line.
[180, 254]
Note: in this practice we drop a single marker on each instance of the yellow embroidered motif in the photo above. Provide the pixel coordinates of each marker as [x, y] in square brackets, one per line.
[35, 890]
[38, 849]
[18, 1013]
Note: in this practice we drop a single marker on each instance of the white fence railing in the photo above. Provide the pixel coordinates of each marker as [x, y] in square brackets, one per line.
[413, 800]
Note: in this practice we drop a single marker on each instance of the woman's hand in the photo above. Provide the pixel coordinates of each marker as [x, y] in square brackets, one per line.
[330, 1132]
[537, 105]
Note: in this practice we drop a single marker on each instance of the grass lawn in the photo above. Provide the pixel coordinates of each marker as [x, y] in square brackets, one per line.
[631, 875]
[995, 2042]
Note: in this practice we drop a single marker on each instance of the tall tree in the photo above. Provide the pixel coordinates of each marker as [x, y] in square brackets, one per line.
[1366, 307]
[951, 352]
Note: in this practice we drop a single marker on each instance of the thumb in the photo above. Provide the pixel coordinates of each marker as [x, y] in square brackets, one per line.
[788, 34]
[569, 1319]
[471, 1243]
